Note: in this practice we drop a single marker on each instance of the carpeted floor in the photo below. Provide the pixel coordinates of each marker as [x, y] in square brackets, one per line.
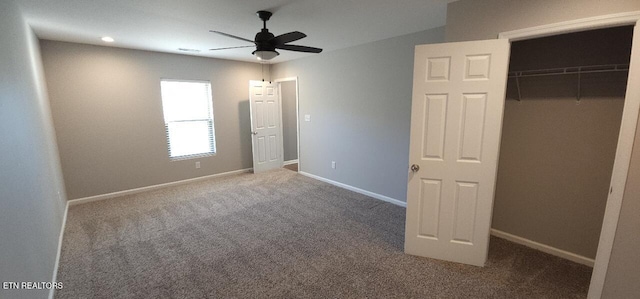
[280, 235]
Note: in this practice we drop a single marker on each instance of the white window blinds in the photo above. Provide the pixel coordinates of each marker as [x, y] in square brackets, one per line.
[188, 118]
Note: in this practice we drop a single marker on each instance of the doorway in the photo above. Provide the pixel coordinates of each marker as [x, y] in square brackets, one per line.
[289, 101]
[562, 116]
[627, 128]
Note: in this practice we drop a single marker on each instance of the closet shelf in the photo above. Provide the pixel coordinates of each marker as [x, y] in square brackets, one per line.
[571, 70]
[588, 69]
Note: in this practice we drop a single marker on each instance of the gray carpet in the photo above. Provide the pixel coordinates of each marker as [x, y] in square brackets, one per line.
[280, 235]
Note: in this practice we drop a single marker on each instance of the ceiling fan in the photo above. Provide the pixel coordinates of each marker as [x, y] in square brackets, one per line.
[266, 43]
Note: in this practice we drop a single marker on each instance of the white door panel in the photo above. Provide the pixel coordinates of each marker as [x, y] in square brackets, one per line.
[265, 125]
[456, 119]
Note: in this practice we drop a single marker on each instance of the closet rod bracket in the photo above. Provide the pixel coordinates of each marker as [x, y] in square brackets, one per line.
[579, 83]
[518, 87]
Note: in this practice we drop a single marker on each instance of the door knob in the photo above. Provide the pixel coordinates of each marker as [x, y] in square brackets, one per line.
[415, 168]
[254, 133]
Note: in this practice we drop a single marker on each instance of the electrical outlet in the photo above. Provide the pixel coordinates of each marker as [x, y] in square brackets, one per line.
[197, 164]
[333, 164]
[307, 117]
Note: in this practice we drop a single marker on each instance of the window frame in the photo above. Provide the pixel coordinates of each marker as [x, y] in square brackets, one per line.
[211, 122]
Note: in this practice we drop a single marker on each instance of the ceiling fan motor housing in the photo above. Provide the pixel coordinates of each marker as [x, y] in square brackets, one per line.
[263, 41]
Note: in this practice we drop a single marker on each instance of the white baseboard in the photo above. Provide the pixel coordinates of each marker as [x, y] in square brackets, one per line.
[290, 162]
[78, 201]
[544, 248]
[60, 238]
[357, 190]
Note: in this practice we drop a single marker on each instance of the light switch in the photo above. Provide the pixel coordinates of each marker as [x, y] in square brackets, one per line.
[307, 117]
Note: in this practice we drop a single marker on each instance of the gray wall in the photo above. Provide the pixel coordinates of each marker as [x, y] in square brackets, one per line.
[108, 116]
[555, 165]
[359, 100]
[289, 121]
[473, 20]
[32, 198]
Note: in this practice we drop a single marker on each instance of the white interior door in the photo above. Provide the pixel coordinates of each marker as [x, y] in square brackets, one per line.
[266, 128]
[456, 122]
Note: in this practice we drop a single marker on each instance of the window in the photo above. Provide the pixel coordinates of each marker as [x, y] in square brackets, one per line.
[188, 118]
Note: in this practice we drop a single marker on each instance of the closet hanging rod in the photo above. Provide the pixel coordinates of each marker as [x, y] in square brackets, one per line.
[571, 70]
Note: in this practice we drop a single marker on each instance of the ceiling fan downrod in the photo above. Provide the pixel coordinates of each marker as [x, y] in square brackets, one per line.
[264, 16]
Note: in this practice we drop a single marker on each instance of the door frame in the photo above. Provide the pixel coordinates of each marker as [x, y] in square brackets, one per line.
[279, 81]
[625, 140]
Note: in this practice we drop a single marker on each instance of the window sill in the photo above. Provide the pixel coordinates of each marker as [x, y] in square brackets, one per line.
[189, 157]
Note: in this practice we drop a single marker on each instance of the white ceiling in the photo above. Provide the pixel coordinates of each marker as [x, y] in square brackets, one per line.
[166, 25]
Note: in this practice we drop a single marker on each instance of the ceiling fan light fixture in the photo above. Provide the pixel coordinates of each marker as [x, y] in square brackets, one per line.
[265, 55]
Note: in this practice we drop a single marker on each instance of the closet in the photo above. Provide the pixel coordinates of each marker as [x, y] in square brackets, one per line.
[562, 116]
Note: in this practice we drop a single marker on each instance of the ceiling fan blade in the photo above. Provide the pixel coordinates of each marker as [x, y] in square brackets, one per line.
[232, 36]
[231, 48]
[299, 48]
[288, 37]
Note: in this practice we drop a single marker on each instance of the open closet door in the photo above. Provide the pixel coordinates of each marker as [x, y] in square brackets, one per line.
[456, 121]
[266, 133]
